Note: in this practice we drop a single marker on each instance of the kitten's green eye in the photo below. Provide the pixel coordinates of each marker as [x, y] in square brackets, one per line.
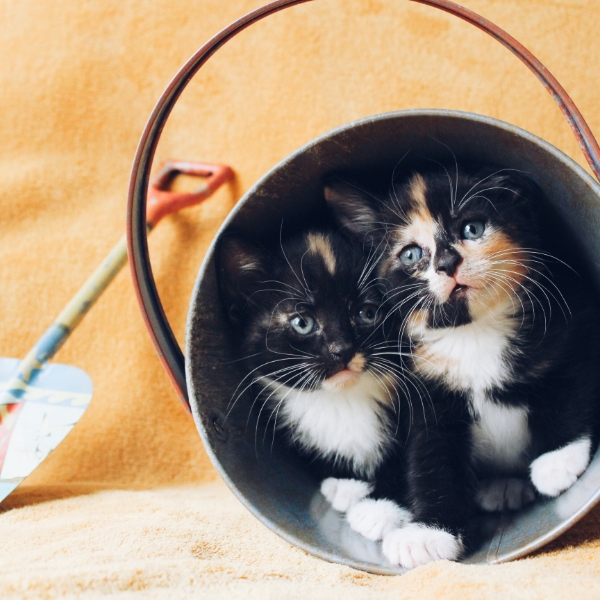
[411, 255]
[302, 324]
[473, 230]
[367, 314]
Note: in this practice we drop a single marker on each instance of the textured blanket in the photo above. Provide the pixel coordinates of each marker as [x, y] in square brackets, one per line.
[129, 502]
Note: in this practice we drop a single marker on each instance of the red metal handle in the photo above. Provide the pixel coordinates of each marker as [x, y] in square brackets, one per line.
[162, 202]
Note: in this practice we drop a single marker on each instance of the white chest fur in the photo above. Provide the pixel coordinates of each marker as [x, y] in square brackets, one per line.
[466, 358]
[472, 359]
[347, 425]
[500, 435]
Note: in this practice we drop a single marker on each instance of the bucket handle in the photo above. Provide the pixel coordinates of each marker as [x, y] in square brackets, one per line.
[145, 288]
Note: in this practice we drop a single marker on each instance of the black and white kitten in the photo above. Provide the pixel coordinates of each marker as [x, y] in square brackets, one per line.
[309, 316]
[506, 339]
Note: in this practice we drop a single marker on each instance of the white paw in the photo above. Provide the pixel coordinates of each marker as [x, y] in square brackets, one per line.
[343, 494]
[374, 519]
[556, 471]
[496, 494]
[416, 545]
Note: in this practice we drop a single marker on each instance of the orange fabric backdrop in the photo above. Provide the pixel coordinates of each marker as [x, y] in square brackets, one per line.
[77, 83]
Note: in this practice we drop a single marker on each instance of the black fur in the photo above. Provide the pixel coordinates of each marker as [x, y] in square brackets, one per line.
[553, 360]
[264, 289]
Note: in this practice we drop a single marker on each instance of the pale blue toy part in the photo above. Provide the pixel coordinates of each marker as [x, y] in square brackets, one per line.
[45, 411]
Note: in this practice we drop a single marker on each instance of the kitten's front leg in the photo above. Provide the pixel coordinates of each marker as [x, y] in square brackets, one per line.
[343, 494]
[554, 472]
[440, 491]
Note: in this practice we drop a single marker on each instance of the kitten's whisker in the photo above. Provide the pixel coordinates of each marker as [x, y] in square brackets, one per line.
[437, 162]
[537, 252]
[288, 285]
[265, 387]
[392, 190]
[530, 295]
[480, 196]
[235, 360]
[393, 309]
[282, 384]
[549, 280]
[547, 292]
[484, 179]
[306, 290]
[372, 261]
[509, 295]
[260, 367]
[302, 269]
[452, 198]
[396, 291]
[275, 290]
[237, 396]
[381, 376]
[275, 410]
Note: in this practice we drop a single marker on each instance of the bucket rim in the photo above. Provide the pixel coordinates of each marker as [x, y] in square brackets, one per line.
[207, 263]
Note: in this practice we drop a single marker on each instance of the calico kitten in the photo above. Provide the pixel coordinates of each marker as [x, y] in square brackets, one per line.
[506, 339]
[310, 321]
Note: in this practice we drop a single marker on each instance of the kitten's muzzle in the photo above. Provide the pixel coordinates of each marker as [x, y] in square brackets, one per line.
[347, 375]
[348, 362]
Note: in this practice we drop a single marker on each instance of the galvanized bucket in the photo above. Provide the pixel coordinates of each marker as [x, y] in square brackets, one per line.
[270, 481]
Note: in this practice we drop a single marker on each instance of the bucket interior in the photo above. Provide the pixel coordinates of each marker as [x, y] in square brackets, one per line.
[275, 484]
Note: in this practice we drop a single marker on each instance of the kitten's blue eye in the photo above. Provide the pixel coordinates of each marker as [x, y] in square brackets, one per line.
[302, 324]
[367, 314]
[473, 230]
[411, 255]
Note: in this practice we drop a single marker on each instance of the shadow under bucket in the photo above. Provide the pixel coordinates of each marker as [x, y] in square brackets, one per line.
[275, 485]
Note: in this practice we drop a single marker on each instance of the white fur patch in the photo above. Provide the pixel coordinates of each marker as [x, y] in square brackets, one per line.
[498, 493]
[472, 359]
[556, 471]
[416, 545]
[343, 494]
[350, 424]
[500, 434]
[374, 519]
[469, 357]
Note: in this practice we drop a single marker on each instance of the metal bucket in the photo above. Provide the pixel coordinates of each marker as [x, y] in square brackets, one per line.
[275, 485]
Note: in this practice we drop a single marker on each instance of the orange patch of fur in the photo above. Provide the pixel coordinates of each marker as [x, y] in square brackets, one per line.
[498, 247]
[320, 246]
[418, 189]
[430, 363]
[358, 362]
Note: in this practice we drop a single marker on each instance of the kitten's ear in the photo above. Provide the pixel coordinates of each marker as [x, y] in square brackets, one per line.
[242, 268]
[353, 209]
[512, 184]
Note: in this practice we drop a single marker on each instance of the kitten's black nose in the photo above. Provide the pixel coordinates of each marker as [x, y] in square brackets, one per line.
[341, 352]
[447, 261]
